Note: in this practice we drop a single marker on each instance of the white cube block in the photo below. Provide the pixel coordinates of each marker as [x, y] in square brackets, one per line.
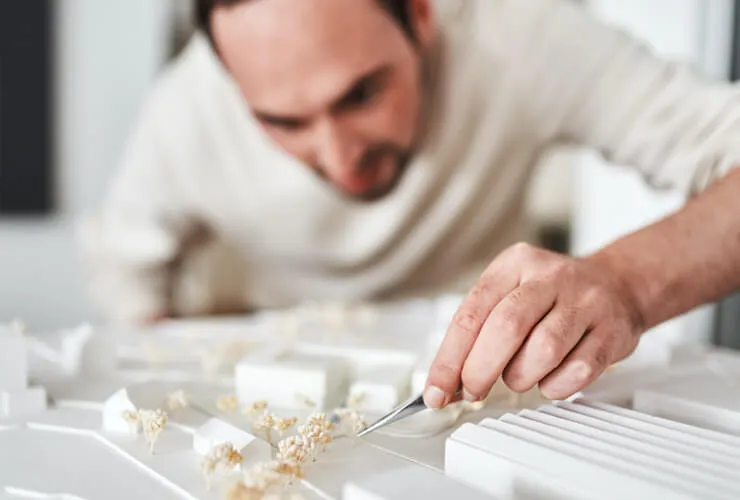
[113, 412]
[84, 351]
[380, 388]
[216, 432]
[284, 379]
[410, 481]
[23, 402]
[13, 361]
[419, 377]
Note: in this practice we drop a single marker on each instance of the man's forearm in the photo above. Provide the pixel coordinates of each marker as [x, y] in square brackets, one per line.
[686, 260]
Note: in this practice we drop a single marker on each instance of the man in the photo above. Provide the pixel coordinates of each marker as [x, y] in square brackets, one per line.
[349, 149]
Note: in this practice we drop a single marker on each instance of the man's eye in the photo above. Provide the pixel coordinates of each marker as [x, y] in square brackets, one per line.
[284, 124]
[361, 95]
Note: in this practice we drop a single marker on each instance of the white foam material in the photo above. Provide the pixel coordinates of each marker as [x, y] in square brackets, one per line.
[410, 481]
[579, 450]
[13, 361]
[24, 402]
[419, 380]
[688, 411]
[552, 472]
[113, 410]
[381, 388]
[85, 351]
[215, 432]
[282, 380]
[634, 465]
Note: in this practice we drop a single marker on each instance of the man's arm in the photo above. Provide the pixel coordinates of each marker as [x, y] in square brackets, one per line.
[680, 130]
[537, 318]
[128, 247]
[685, 260]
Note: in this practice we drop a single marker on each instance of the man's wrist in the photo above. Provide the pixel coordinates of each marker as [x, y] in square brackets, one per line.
[617, 265]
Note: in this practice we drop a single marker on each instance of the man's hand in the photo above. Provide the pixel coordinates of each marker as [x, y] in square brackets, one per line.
[535, 317]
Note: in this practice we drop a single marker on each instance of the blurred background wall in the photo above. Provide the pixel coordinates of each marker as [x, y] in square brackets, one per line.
[108, 53]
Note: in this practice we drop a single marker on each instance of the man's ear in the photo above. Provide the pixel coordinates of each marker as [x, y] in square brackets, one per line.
[423, 21]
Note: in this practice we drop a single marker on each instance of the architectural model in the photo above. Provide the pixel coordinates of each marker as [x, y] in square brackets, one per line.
[269, 407]
[17, 399]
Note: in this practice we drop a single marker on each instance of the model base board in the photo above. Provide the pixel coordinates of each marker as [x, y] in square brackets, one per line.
[217, 409]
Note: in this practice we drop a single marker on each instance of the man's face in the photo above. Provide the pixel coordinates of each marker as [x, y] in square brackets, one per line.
[336, 83]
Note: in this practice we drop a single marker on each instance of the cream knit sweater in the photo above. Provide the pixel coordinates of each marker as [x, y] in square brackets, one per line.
[207, 215]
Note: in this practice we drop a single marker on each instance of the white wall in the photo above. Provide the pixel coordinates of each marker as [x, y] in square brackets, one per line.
[108, 54]
[697, 31]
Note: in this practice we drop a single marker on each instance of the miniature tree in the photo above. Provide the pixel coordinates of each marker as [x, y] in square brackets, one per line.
[153, 423]
[227, 404]
[222, 456]
[252, 410]
[351, 422]
[282, 425]
[132, 419]
[177, 400]
[265, 424]
[355, 400]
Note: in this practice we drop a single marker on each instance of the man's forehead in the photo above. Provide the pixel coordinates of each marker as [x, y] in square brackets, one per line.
[288, 54]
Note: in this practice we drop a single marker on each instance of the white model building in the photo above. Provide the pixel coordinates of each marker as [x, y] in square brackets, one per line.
[379, 389]
[84, 352]
[16, 397]
[284, 377]
[215, 432]
[118, 411]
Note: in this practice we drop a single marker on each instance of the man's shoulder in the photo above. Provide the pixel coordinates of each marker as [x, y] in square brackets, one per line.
[194, 77]
[500, 19]
[191, 88]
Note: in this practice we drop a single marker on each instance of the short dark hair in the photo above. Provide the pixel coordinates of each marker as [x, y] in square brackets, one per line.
[397, 9]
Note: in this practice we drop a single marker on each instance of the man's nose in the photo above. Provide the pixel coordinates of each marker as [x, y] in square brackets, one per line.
[338, 150]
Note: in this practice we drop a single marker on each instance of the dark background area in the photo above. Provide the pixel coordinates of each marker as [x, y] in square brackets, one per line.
[727, 330]
[26, 87]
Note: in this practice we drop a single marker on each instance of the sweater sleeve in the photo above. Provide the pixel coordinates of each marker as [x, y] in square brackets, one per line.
[596, 86]
[128, 246]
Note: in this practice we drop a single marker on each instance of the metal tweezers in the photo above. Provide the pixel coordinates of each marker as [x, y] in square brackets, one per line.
[410, 407]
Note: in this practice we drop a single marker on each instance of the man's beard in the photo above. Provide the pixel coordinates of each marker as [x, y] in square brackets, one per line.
[370, 161]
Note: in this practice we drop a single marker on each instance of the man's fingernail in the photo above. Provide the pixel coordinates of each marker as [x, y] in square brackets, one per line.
[434, 397]
[468, 396]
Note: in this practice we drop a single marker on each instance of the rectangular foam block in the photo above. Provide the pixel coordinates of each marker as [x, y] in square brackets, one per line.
[23, 402]
[688, 411]
[380, 388]
[410, 481]
[13, 361]
[285, 379]
[215, 432]
[670, 429]
[566, 419]
[651, 456]
[419, 376]
[474, 454]
[639, 471]
[89, 352]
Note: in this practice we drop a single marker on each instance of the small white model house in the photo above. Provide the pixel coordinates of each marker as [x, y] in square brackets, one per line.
[16, 397]
[118, 412]
[284, 377]
[380, 388]
[216, 432]
[84, 352]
